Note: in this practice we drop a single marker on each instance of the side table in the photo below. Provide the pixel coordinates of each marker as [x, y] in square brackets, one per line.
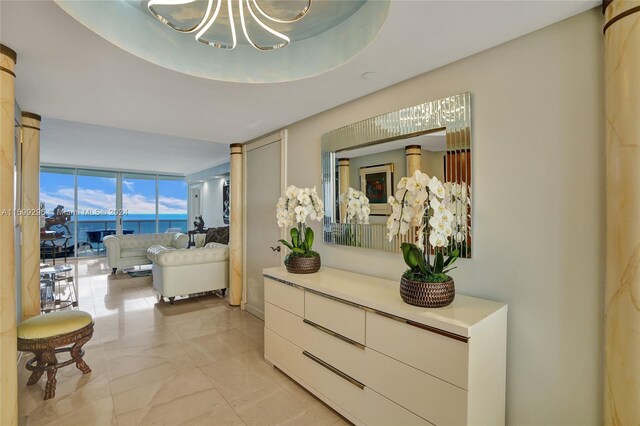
[57, 288]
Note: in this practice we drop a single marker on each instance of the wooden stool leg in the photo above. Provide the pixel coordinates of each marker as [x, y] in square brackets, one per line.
[36, 374]
[75, 354]
[50, 358]
[50, 388]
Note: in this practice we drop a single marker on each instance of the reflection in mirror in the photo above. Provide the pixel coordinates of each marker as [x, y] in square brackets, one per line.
[373, 155]
[376, 169]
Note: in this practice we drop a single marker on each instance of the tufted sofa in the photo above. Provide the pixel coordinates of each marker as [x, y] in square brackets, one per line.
[130, 250]
[187, 271]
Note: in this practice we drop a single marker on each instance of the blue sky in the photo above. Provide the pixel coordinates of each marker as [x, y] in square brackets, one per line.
[100, 193]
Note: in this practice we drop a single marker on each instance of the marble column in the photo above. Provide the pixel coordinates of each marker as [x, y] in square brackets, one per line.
[8, 344]
[236, 240]
[30, 222]
[344, 183]
[622, 293]
[413, 155]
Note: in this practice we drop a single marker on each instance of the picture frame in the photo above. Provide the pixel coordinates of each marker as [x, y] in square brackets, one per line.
[225, 203]
[377, 184]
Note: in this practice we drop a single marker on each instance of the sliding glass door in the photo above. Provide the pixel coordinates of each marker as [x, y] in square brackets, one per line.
[139, 203]
[172, 204]
[96, 210]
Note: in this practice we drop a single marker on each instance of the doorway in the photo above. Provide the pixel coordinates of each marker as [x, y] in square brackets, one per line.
[265, 179]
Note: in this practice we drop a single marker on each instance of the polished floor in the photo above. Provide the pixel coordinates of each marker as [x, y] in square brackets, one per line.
[198, 362]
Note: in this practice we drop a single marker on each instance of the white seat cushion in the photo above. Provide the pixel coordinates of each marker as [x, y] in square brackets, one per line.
[133, 252]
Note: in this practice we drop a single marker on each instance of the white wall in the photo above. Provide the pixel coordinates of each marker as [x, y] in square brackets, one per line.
[538, 173]
[211, 202]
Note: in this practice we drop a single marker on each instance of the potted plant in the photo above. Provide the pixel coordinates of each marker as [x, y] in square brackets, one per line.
[295, 207]
[424, 204]
[357, 209]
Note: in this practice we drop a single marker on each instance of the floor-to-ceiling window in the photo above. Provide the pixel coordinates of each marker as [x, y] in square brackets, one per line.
[172, 204]
[57, 191]
[139, 203]
[147, 203]
[96, 210]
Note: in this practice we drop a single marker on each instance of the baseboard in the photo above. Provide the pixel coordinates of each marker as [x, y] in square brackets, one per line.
[254, 311]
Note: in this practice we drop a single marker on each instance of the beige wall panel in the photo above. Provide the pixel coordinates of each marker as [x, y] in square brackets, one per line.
[413, 154]
[8, 344]
[30, 222]
[235, 226]
[622, 310]
[539, 215]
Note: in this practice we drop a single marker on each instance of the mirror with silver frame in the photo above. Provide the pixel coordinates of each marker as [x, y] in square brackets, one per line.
[374, 154]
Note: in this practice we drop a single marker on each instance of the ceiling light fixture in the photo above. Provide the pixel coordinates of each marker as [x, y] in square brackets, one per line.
[210, 17]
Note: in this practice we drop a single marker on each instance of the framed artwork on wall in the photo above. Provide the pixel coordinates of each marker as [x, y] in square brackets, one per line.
[225, 202]
[377, 184]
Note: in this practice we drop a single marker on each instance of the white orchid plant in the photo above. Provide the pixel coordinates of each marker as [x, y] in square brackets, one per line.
[295, 207]
[425, 203]
[357, 206]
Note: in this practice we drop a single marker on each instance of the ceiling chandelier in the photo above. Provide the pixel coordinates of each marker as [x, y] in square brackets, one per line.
[211, 14]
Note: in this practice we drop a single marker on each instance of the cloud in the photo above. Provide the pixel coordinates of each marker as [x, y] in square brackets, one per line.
[129, 184]
[95, 199]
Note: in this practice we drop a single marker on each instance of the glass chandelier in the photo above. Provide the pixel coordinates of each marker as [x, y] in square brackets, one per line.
[211, 14]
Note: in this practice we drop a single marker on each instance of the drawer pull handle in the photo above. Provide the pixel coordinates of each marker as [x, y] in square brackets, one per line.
[334, 334]
[426, 327]
[334, 370]
[283, 281]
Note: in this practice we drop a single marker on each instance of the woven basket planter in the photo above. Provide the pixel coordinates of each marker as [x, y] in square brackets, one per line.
[302, 265]
[427, 295]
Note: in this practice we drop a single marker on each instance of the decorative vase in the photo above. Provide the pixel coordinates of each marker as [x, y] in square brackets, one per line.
[302, 265]
[427, 295]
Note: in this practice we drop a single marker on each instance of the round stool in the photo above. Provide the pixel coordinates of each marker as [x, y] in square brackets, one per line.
[46, 335]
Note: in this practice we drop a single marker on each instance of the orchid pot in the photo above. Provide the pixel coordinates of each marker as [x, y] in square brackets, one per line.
[293, 209]
[429, 207]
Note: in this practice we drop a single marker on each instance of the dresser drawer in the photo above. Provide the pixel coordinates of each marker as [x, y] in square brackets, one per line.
[284, 323]
[344, 354]
[429, 397]
[286, 296]
[438, 355]
[342, 318]
[282, 353]
[360, 401]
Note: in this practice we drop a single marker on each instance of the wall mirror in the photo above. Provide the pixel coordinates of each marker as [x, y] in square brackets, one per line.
[372, 155]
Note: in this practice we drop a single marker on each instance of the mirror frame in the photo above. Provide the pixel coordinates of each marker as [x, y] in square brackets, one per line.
[453, 114]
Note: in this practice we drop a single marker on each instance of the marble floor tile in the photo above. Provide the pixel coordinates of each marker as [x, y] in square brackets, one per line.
[196, 362]
[206, 407]
[277, 405]
[241, 375]
[96, 412]
[162, 391]
[216, 347]
[147, 365]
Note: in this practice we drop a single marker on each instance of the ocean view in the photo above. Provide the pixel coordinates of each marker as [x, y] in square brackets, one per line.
[131, 223]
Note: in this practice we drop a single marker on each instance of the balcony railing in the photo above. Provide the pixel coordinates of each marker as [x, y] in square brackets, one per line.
[91, 247]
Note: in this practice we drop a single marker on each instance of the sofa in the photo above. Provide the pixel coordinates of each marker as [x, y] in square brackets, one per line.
[130, 250]
[181, 272]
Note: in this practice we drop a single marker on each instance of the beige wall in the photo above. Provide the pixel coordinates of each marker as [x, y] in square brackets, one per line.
[538, 232]
[395, 157]
[211, 202]
[433, 163]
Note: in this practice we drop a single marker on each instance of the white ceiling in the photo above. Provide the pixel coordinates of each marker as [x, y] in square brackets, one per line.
[72, 143]
[67, 72]
[436, 141]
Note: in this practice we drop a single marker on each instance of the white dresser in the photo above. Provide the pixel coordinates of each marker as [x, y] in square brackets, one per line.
[351, 340]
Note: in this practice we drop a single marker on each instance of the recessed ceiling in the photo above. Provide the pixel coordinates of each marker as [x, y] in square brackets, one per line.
[329, 35]
[68, 72]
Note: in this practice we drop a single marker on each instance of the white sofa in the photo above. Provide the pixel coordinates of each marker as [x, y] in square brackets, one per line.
[188, 271]
[130, 250]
